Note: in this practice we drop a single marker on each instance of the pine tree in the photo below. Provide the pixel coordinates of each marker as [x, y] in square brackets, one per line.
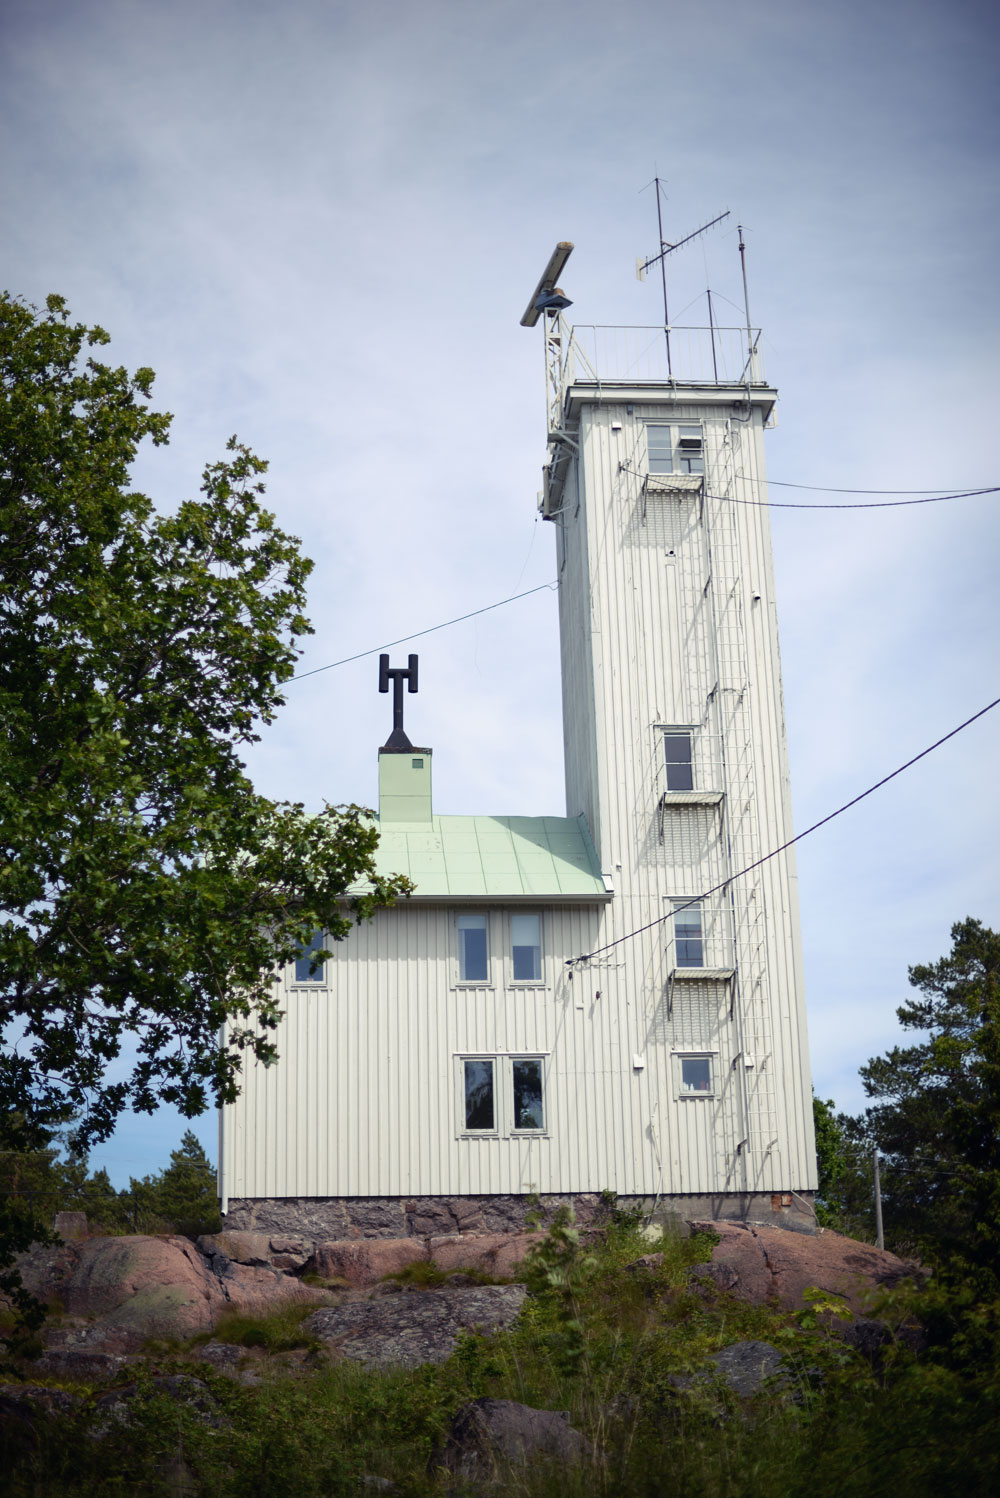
[184, 1196]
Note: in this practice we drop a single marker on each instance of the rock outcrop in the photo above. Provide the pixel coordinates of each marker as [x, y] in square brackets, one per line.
[768, 1266]
[490, 1439]
[410, 1329]
[118, 1293]
[745, 1368]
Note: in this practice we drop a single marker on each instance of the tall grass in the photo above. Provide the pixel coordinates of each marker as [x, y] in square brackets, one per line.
[616, 1348]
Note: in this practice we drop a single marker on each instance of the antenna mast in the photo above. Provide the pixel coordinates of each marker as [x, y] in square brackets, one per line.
[666, 248]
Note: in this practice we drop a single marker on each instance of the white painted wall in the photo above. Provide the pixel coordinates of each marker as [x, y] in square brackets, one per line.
[667, 618]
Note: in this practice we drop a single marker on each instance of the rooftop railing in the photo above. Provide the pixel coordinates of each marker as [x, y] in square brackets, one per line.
[696, 355]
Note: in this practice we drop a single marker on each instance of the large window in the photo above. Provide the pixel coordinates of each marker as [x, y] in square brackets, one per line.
[479, 1094]
[680, 766]
[674, 448]
[309, 967]
[526, 948]
[529, 1112]
[502, 1095]
[473, 950]
[689, 933]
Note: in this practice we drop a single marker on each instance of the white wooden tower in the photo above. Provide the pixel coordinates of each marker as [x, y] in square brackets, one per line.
[609, 999]
[675, 738]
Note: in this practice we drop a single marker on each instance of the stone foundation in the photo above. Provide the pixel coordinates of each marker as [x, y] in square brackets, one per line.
[327, 1218]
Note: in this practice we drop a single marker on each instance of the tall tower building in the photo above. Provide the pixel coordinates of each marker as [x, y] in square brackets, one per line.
[674, 733]
[609, 998]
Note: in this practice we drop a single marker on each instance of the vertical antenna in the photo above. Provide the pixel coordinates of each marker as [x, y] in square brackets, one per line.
[746, 304]
[663, 275]
[642, 266]
[711, 334]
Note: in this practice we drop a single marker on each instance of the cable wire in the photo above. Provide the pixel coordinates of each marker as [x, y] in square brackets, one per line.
[660, 920]
[878, 504]
[831, 489]
[419, 633]
[926, 496]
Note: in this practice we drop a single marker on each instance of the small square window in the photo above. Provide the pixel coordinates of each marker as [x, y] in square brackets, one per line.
[529, 1110]
[416, 764]
[680, 767]
[309, 968]
[473, 953]
[696, 1076]
[479, 1093]
[526, 948]
[689, 935]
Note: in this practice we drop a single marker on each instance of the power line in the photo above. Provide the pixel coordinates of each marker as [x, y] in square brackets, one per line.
[879, 504]
[418, 634]
[660, 920]
[831, 489]
[925, 496]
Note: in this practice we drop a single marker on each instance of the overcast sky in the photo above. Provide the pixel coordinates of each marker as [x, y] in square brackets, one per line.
[320, 223]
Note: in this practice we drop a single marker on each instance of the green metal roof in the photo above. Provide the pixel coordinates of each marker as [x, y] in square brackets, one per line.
[494, 858]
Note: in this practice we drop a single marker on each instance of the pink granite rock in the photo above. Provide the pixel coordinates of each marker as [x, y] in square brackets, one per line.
[495, 1254]
[143, 1287]
[362, 1261]
[242, 1248]
[761, 1265]
[257, 1289]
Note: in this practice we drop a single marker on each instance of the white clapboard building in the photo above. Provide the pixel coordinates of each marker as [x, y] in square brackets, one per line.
[602, 1001]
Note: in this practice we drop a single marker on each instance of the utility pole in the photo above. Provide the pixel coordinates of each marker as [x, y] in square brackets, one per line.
[879, 1235]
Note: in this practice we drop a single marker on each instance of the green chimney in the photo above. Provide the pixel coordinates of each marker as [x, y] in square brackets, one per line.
[404, 785]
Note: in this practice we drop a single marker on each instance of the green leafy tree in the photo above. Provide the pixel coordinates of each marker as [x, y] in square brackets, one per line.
[844, 1197]
[936, 1115]
[184, 1195]
[147, 892]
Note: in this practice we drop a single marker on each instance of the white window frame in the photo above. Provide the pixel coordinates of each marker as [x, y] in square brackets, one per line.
[503, 1094]
[513, 981]
[460, 981]
[684, 906]
[690, 1094]
[680, 431]
[321, 979]
[465, 1132]
[691, 735]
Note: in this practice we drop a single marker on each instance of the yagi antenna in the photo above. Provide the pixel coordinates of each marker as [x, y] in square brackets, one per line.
[666, 248]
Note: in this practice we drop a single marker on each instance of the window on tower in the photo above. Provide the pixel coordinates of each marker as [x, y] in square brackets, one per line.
[680, 767]
[695, 1076]
[674, 448]
[689, 933]
[659, 449]
[688, 453]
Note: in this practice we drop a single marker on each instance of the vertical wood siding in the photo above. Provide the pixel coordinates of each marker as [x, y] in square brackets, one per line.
[667, 618]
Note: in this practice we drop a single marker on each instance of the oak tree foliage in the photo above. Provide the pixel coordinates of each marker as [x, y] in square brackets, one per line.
[147, 892]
